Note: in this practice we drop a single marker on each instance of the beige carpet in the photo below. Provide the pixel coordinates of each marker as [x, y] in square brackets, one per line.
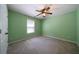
[42, 45]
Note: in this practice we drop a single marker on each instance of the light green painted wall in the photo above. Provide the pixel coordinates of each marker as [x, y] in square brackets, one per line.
[78, 26]
[63, 26]
[17, 26]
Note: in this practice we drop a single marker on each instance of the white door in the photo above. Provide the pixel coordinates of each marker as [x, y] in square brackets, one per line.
[3, 28]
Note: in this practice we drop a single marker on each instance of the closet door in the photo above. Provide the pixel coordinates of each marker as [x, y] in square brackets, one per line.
[3, 28]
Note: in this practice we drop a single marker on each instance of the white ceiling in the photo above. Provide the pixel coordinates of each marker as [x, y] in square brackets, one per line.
[29, 9]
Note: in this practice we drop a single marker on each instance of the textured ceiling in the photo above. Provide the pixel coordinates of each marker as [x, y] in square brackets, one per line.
[29, 9]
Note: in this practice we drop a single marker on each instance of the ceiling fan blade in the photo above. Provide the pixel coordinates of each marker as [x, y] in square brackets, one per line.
[38, 10]
[49, 13]
[39, 14]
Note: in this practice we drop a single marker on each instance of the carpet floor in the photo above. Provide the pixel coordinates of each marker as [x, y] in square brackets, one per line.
[43, 45]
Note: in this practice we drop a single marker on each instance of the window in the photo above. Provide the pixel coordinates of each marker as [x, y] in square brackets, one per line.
[30, 25]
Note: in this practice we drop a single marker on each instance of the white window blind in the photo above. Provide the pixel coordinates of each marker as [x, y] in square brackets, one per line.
[30, 25]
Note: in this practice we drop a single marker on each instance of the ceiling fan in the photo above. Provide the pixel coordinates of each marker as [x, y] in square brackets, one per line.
[46, 10]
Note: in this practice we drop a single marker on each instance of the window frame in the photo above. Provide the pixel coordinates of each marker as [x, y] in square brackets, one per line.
[30, 26]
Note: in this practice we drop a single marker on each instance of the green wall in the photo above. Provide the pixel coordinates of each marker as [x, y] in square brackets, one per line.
[78, 26]
[17, 26]
[63, 26]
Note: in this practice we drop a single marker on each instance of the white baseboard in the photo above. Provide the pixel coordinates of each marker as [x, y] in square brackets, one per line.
[46, 36]
[16, 41]
[60, 39]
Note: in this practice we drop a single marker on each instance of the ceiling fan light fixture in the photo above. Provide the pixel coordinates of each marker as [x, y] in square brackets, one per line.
[47, 10]
[44, 14]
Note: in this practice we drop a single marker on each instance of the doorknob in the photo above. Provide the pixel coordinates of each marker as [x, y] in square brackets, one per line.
[0, 31]
[6, 33]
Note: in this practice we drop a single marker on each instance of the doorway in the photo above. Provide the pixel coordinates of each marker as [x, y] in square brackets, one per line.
[3, 29]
